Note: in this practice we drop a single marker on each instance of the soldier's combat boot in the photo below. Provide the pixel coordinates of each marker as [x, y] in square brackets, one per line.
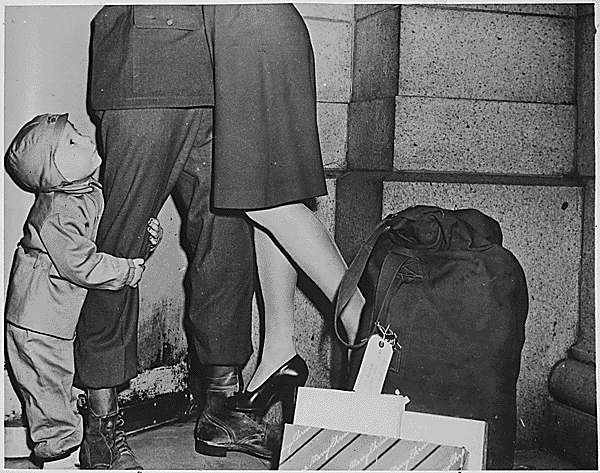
[219, 429]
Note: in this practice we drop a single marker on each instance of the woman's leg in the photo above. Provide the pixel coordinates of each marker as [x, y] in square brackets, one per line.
[308, 244]
[278, 285]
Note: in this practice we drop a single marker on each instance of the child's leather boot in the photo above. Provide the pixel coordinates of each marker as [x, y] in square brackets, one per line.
[104, 444]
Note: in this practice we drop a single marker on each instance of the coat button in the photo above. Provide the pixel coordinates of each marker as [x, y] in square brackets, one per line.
[170, 22]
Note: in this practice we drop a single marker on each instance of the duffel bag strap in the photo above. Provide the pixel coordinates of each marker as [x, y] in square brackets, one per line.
[399, 260]
[397, 268]
[352, 277]
[396, 263]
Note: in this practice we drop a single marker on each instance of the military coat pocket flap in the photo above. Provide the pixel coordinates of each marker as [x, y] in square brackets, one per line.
[179, 17]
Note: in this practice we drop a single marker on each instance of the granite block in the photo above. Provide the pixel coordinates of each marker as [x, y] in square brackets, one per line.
[542, 228]
[358, 211]
[332, 44]
[573, 434]
[586, 91]
[486, 137]
[574, 383]
[371, 134]
[362, 10]
[482, 55]
[585, 9]
[585, 348]
[331, 11]
[325, 206]
[551, 9]
[375, 71]
[332, 120]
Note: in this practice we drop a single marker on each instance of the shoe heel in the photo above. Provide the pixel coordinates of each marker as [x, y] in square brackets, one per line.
[211, 450]
[288, 405]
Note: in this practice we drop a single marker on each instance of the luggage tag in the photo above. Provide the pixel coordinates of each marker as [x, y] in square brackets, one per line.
[375, 362]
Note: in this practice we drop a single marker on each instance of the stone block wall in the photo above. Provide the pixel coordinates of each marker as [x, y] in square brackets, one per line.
[572, 414]
[482, 106]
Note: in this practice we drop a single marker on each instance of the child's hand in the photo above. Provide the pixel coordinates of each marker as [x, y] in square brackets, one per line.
[138, 268]
[156, 233]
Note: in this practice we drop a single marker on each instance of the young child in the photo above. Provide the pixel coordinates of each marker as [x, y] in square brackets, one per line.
[55, 263]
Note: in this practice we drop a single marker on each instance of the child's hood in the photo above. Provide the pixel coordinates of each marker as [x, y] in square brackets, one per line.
[30, 157]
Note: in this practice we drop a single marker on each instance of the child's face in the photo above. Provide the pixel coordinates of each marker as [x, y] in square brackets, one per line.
[76, 155]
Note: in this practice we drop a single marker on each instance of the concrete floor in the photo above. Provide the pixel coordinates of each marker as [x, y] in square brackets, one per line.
[171, 447]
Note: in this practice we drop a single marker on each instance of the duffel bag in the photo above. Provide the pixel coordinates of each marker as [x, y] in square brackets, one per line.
[455, 300]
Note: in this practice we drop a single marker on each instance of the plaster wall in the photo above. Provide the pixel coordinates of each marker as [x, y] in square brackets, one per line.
[45, 67]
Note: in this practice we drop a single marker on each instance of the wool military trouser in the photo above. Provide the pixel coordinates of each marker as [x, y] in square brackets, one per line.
[149, 154]
[42, 367]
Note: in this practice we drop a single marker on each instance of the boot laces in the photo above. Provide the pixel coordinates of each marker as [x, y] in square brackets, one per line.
[121, 445]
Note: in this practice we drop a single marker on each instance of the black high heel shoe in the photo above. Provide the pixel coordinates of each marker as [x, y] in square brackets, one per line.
[280, 386]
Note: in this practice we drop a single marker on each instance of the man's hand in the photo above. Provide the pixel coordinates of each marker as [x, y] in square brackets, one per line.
[156, 233]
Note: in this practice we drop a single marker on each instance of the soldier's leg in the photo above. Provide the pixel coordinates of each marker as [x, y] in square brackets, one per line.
[220, 282]
[144, 153]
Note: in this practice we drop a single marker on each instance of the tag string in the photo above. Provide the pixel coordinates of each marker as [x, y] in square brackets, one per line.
[387, 334]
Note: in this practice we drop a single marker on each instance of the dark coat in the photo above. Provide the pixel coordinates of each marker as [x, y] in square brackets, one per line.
[150, 56]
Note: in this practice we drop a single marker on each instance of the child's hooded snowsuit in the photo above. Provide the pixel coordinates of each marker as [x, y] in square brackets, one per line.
[54, 264]
[56, 260]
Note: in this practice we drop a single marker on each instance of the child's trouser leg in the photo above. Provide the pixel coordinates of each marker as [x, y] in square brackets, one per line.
[43, 370]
